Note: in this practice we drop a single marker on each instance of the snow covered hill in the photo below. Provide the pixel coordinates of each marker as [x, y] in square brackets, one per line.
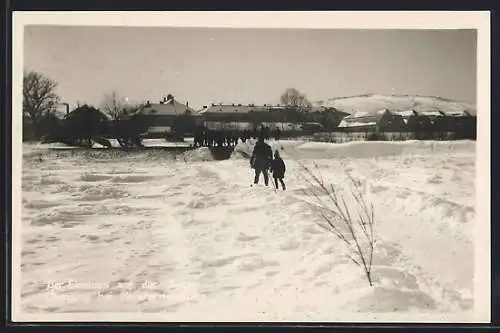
[371, 103]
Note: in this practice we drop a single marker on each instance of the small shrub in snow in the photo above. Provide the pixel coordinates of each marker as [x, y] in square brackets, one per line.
[349, 217]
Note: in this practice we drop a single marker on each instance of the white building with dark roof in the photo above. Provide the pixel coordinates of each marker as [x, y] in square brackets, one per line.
[166, 115]
[381, 120]
[247, 116]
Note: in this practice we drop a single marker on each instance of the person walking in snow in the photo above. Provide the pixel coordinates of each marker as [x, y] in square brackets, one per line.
[262, 156]
[278, 169]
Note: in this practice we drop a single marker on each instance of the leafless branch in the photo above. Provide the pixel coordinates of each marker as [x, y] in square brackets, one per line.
[357, 216]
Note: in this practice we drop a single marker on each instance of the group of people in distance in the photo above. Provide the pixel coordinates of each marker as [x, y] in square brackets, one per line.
[262, 160]
[205, 137]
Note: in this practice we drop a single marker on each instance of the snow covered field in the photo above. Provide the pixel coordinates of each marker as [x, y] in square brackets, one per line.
[187, 237]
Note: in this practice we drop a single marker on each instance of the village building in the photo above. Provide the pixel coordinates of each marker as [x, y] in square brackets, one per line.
[285, 118]
[379, 121]
[432, 123]
[422, 121]
[465, 125]
[229, 116]
[329, 118]
[168, 116]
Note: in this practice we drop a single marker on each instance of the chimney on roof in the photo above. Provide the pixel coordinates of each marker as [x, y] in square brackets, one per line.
[213, 104]
[204, 106]
[187, 104]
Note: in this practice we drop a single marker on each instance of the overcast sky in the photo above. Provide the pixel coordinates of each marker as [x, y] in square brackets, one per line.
[249, 65]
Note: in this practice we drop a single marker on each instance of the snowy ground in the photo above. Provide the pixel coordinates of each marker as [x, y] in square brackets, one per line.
[150, 232]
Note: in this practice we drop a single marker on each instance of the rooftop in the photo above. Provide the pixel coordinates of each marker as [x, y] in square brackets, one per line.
[246, 108]
[169, 107]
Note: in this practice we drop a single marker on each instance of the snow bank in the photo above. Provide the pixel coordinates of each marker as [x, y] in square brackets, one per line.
[198, 155]
[243, 150]
[372, 149]
[356, 149]
[424, 198]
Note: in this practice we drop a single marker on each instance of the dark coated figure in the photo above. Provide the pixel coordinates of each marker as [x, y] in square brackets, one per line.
[261, 159]
[278, 169]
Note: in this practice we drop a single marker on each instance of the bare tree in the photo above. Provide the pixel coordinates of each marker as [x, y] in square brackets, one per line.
[113, 105]
[39, 97]
[293, 97]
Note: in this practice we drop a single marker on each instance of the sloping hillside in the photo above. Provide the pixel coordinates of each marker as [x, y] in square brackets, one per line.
[373, 102]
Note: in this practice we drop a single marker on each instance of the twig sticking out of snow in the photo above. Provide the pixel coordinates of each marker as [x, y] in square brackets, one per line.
[353, 223]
